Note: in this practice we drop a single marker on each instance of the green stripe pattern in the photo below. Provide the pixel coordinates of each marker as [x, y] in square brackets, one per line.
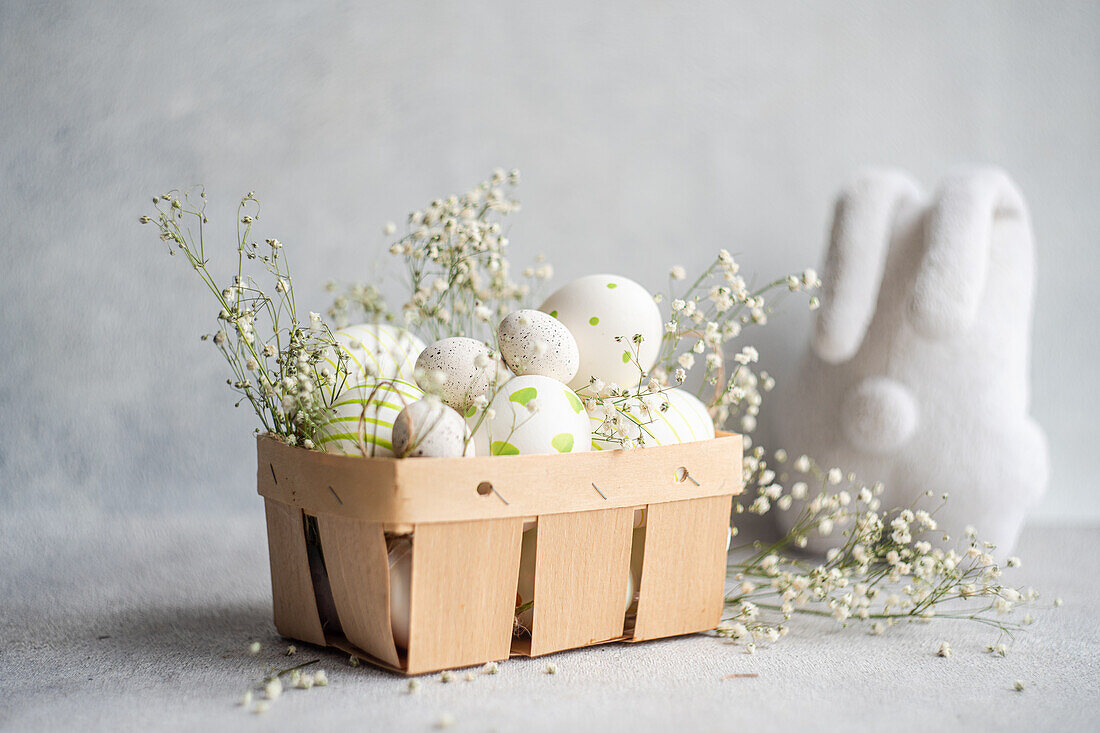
[375, 406]
[684, 421]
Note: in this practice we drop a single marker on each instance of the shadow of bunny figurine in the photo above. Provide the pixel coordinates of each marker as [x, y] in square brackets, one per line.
[918, 372]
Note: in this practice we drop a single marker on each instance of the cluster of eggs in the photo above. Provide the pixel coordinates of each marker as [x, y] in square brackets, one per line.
[455, 397]
[405, 398]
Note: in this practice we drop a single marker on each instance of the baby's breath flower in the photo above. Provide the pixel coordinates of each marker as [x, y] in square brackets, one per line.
[273, 688]
[413, 686]
[491, 668]
[551, 668]
[254, 648]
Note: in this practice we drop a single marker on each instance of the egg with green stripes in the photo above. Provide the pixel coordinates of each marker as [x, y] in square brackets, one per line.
[531, 414]
[666, 418]
[377, 350]
[360, 419]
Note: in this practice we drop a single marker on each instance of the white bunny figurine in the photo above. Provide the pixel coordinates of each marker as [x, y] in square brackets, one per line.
[918, 371]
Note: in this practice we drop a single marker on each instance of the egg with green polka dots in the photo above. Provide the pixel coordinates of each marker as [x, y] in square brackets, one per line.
[531, 414]
[604, 312]
[363, 415]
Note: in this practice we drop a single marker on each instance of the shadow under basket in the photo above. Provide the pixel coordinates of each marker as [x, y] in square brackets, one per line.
[329, 517]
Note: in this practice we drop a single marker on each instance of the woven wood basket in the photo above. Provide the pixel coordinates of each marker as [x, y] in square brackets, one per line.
[329, 516]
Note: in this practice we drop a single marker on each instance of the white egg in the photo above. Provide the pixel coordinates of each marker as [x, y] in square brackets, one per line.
[370, 408]
[377, 350]
[525, 589]
[400, 555]
[683, 421]
[532, 414]
[533, 342]
[430, 428]
[597, 310]
[458, 359]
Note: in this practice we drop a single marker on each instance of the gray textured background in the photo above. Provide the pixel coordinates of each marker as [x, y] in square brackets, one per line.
[647, 134]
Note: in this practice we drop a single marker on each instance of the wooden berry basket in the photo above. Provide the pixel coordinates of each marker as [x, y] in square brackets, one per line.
[466, 517]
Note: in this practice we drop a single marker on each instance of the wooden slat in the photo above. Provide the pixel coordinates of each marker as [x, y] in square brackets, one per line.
[463, 596]
[683, 567]
[295, 604]
[414, 491]
[581, 565]
[359, 575]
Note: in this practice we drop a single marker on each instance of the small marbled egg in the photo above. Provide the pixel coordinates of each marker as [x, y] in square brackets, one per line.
[533, 342]
[458, 359]
[429, 428]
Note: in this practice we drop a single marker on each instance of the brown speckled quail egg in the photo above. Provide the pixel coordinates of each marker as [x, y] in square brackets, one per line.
[430, 428]
[467, 368]
[533, 342]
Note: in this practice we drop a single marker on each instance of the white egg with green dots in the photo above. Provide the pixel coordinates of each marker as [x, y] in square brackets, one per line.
[366, 412]
[532, 414]
[604, 312]
[379, 350]
[684, 420]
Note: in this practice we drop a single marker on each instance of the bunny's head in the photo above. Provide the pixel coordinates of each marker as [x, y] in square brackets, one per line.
[906, 280]
[918, 371]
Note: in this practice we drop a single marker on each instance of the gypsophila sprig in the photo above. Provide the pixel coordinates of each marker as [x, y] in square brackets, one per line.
[262, 693]
[277, 358]
[889, 566]
[704, 321]
[455, 256]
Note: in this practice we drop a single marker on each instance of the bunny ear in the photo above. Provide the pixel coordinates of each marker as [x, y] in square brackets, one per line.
[951, 278]
[862, 226]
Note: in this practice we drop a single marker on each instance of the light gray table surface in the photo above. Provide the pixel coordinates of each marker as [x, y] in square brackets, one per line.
[136, 623]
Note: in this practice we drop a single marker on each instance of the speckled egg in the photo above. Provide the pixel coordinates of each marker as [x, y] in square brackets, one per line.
[457, 358]
[377, 350]
[533, 342]
[685, 420]
[597, 309]
[429, 428]
[370, 408]
[532, 414]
